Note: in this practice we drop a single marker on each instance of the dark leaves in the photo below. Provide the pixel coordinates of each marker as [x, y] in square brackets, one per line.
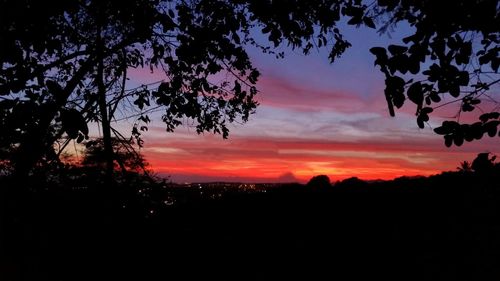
[142, 99]
[455, 133]
[463, 78]
[369, 22]
[397, 50]
[434, 96]
[381, 56]
[446, 45]
[468, 104]
[378, 51]
[415, 94]
[74, 124]
[491, 127]
[487, 116]
[54, 88]
[448, 140]
[395, 90]
[423, 116]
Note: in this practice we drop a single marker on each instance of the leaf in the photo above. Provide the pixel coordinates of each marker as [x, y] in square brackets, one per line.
[495, 63]
[454, 90]
[492, 131]
[427, 110]
[475, 101]
[400, 63]
[420, 122]
[487, 116]
[458, 140]
[463, 78]
[395, 90]
[369, 22]
[381, 55]
[413, 65]
[466, 107]
[448, 140]
[424, 117]
[438, 45]
[73, 123]
[491, 128]
[484, 59]
[378, 51]
[355, 21]
[415, 94]
[442, 130]
[408, 39]
[428, 100]
[396, 49]
[434, 96]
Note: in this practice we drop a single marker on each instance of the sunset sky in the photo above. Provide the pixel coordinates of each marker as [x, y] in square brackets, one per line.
[314, 118]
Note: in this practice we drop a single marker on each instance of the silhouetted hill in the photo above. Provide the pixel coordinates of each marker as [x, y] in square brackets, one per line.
[444, 227]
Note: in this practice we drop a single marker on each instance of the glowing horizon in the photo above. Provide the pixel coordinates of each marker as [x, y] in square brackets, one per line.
[314, 118]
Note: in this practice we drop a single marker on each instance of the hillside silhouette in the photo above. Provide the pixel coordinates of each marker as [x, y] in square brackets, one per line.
[443, 227]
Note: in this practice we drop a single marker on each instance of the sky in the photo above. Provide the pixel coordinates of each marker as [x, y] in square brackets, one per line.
[314, 118]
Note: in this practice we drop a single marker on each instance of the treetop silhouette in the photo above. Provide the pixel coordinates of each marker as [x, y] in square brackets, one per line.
[453, 53]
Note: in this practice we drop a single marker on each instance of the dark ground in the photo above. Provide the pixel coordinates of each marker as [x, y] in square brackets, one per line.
[445, 227]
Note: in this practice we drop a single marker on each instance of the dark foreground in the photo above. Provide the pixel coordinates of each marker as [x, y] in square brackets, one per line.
[442, 228]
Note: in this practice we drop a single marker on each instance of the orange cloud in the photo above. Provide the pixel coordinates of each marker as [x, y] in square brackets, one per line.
[267, 159]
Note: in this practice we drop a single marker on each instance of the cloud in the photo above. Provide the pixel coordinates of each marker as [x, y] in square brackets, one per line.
[316, 121]
[266, 158]
[288, 178]
[282, 93]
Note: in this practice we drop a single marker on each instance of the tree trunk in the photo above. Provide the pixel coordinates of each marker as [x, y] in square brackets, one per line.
[105, 120]
[37, 140]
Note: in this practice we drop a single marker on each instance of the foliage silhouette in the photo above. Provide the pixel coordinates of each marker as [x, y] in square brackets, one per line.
[483, 163]
[67, 64]
[465, 167]
[321, 181]
[454, 51]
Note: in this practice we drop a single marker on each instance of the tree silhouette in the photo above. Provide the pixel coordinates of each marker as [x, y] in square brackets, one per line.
[125, 157]
[67, 64]
[483, 163]
[465, 167]
[321, 181]
[453, 53]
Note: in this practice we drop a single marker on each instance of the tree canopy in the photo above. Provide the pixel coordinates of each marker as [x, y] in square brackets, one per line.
[67, 64]
[452, 57]
[64, 65]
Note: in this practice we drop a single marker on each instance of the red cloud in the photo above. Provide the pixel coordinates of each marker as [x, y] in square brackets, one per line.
[264, 159]
[281, 93]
